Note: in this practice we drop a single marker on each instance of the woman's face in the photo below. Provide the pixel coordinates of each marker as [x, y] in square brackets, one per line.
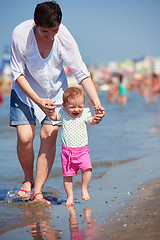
[48, 33]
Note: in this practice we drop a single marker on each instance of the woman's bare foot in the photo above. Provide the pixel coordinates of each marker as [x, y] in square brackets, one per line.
[85, 195]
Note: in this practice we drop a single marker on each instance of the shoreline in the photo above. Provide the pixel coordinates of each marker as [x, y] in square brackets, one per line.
[138, 219]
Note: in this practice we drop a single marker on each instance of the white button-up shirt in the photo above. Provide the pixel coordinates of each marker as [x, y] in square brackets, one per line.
[46, 76]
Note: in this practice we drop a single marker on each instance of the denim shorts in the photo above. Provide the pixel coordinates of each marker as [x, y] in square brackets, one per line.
[22, 114]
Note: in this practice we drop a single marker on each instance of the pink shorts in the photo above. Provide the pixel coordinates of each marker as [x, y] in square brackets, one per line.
[74, 159]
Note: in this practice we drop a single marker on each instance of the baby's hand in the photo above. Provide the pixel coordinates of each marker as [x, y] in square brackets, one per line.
[53, 116]
[99, 114]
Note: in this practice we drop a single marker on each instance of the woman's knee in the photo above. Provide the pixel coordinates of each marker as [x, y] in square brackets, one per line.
[25, 134]
[49, 133]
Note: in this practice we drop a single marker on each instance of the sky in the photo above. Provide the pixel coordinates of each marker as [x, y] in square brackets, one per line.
[105, 30]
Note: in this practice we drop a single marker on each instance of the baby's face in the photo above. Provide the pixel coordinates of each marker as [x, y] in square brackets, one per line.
[74, 107]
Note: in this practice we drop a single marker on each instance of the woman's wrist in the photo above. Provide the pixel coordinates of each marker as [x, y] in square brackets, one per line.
[37, 100]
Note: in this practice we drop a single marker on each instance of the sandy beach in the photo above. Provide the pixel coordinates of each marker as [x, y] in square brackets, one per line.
[138, 219]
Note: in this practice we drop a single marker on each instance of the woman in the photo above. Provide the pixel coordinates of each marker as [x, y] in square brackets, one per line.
[122, 90]
[38, 49]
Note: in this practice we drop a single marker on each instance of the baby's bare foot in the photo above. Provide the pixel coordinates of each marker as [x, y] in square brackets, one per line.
[69, 201]
[85, 195]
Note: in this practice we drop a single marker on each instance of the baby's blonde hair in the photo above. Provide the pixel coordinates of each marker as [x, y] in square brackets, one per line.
[72, 93]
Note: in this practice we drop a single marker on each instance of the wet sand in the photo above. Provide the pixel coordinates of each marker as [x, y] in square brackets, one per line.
[139, 219]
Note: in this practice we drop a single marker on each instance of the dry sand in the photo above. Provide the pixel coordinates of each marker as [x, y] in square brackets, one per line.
[139, 219]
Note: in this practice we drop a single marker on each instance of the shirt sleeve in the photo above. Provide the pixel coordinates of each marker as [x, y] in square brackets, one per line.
[71, 55]
[17, 60]
[59, 114]
[88, 115]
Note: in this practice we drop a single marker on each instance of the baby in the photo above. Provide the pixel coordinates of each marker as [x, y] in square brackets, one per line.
[74, 153]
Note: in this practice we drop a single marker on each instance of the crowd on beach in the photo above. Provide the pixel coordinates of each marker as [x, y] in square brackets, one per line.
[119, 86]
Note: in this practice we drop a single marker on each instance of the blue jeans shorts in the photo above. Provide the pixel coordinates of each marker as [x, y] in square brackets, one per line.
[22, 114]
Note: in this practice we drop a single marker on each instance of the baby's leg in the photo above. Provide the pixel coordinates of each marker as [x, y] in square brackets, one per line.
[86, 177]
[73, 223]
[68, 185]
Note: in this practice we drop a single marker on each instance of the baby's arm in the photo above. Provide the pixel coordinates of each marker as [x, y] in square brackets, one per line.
[53, 117]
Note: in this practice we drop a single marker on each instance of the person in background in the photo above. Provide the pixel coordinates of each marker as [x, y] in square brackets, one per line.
[154, 89]
[112, 91]
[122, 90]
[74, 153]
[39, 48]
[1, 94]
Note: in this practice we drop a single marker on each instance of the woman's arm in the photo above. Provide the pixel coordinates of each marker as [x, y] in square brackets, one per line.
[90, 89]
[46, 105]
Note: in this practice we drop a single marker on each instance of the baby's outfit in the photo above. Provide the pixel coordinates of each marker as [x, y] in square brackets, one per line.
[74, 153]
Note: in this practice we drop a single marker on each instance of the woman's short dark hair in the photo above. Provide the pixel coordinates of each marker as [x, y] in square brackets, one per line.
[47, 14]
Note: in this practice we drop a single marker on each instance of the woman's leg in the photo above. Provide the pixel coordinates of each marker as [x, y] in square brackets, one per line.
[68, 186]
[25, 137]
[46, 157]
[86, 177]
[124, 100]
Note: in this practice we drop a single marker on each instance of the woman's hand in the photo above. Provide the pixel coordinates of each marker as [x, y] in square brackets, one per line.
[47, 106]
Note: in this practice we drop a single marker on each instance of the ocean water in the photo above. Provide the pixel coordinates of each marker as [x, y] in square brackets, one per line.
[124, 149]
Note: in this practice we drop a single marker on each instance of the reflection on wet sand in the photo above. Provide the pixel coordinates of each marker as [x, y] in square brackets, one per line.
[41, 226]
[43, 230]
[77, 233]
